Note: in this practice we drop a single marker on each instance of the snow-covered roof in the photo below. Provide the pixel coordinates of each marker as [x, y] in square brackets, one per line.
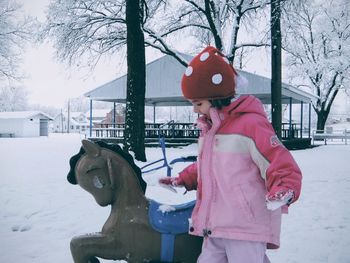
[163, 79]
[24, 115]
[260, 87]
[72, 114]
[74, 122]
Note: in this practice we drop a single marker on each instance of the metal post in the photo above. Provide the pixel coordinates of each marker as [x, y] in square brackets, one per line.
[62, 121]
[68, 118]
[309, 119]
[346, 136]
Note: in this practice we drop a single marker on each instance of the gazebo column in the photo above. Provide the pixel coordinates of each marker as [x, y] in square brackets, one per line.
[90, 117]
[301, 118]
[114, 121]
[310, 120]
[114, 117]
[154, 113]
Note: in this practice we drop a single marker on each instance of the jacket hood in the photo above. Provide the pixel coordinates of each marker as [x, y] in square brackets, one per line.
[244, 104]
[240, 105]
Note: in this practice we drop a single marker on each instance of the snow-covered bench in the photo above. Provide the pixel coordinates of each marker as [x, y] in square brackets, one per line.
[330, 134]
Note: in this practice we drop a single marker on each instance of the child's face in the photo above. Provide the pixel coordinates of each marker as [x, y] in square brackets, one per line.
[201, 106]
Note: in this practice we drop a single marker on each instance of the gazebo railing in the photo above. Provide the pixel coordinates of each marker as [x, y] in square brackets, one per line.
[152, 130]
[177, 130]
[291, 130]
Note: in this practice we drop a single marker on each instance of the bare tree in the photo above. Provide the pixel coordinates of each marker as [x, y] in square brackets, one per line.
[134, 134]
[13, 98]
[86, 28]
[96, 27]
[212, 22]
[276, 67]
[317, 40]
[14, 33]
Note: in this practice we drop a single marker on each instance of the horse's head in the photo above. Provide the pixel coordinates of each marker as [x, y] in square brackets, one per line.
[94, 169]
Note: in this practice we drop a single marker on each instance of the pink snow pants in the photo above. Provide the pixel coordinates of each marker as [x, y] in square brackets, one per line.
[221, 250]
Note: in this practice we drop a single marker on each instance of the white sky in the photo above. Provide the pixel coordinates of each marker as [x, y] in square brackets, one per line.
[50, 82]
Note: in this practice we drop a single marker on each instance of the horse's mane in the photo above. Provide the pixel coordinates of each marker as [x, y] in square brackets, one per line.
[113, 147]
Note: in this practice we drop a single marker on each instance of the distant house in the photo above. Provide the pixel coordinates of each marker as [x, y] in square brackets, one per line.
[118, 117]
[24, 124]
[99, 116]
[76, 123]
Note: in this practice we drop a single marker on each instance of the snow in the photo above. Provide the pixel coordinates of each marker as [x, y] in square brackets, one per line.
[341, 126]
[41, 211]
[166, 208]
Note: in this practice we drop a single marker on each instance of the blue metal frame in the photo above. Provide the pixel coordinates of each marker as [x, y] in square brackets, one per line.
[164, 159]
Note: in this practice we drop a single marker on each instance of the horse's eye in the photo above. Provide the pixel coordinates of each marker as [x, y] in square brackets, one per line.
[92, 169]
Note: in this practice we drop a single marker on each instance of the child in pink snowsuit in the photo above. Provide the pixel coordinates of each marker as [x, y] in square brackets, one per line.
[244, 176]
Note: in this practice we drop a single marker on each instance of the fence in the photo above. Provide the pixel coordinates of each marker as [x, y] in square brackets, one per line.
[154, 130]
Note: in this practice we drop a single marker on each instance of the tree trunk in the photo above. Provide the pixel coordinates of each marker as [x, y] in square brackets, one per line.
[210, 17]
[276, 67]
[134, 134]
[322, 117]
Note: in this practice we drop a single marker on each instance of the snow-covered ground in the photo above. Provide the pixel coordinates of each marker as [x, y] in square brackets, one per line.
[40, 211]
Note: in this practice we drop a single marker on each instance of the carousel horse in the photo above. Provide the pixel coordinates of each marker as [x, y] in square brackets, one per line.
[137, 229]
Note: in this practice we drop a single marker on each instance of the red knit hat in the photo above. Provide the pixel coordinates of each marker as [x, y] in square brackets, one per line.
[209, 76]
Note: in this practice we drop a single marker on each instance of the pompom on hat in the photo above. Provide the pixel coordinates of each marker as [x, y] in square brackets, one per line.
[209, 76]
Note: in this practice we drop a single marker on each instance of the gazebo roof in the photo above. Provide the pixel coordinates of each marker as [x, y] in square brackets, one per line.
[163, 78]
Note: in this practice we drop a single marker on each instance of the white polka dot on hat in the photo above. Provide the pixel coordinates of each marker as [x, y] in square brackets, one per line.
[217, 79]
[204, 56]
[188, 71]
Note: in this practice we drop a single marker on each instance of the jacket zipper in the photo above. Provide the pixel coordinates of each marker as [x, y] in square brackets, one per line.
[209, 142]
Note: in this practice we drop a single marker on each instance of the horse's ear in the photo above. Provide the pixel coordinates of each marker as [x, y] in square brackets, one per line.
[91, 148]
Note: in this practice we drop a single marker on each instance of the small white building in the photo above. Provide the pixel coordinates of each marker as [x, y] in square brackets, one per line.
[24, 124]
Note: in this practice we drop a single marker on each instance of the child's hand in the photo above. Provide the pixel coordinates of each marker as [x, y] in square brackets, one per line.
[173, 181]
[279, 193]
[170, 182]
[280, 198]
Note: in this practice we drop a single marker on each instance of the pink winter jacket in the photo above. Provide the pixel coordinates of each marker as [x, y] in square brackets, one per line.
[240, 161]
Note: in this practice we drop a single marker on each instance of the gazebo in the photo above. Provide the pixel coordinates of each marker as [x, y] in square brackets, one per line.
[163, 77]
